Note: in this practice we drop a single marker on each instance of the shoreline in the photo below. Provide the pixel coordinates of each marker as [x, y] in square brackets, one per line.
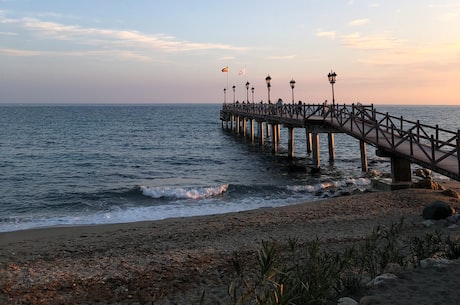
[448, 184]
[173, 260]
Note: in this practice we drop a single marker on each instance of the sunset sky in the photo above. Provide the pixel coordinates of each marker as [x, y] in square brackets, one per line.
[111, 51]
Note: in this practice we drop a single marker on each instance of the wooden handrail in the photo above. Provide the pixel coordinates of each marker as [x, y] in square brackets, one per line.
[366, 123]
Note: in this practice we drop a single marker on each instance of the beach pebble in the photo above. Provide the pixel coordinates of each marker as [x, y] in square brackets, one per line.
[381, 279]
[427, 223]
[437, 210]
[453, 219]
[451, 193]
[346, 301]
[434, 262]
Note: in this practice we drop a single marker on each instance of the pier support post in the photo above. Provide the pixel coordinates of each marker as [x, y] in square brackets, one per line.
[278, 131]
[232, 122]
[261, 133]
[267, 125]
[274, 138]
[238, 125]
[251, 122]
[362, 146]
[330, 138]
[308, 138]
[290, 142]
[400, 170]
[245, 128]
[316, 150]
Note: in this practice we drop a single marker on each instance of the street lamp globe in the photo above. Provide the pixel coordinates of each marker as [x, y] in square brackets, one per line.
[332, 76]
[268, 80]
[247, 92]
[292, 83]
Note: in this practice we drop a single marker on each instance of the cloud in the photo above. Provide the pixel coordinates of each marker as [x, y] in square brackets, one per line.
[105, 54]
[111, 41]
[281, 57]
[358, 22]
[326, 34]
[94, 36]
[370, 42]
[16, 52]
[433, 59]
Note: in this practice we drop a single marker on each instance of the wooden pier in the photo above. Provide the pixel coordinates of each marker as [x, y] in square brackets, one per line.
[403, 141]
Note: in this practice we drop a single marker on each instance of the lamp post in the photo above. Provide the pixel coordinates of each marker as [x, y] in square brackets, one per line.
[225, 95]
[332, 76]
[252, 90]
[268, 80]
[233, 94]
[292, 83]
[247, 92]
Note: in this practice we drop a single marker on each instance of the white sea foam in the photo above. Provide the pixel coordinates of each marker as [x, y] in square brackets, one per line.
[329, 184]
[182, 193]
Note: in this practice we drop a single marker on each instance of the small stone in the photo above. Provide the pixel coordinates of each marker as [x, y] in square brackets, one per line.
[453, 226]
[381, 279]
[434, 262]
[452, 219]
[427, 223]
[346, 301]
[451, 193]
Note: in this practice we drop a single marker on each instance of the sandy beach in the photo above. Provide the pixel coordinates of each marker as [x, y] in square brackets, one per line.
[172, 261]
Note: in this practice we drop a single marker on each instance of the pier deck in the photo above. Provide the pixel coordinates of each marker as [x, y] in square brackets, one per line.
[429, 146]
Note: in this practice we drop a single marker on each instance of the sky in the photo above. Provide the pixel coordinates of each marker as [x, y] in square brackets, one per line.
[144, 51]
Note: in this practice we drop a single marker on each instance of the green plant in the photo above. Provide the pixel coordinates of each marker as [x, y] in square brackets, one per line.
[452, 247]
[426, 246]
[305, 273]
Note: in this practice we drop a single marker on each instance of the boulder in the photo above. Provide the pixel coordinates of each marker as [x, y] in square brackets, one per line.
[437, 210]
[427, 183]
[422, 173]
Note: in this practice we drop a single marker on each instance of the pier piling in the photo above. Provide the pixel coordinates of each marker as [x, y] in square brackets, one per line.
[403, 141]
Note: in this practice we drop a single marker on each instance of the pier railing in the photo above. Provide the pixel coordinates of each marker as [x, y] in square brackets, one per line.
[431, 146]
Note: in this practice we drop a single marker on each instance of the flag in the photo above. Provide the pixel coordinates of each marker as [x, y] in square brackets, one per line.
[225, 69]
[242, 72]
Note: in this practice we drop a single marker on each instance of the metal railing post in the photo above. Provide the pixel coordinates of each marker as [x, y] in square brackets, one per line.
[458, 150]
[437, 136]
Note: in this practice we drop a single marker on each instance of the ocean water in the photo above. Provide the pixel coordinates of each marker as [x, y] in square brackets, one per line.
[66, 165]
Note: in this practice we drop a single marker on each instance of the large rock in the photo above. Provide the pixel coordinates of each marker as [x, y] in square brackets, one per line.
[428, 183]
[437, 210]
[423, 173]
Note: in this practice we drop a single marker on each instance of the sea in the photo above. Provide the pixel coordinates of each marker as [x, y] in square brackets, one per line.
[71, 165]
